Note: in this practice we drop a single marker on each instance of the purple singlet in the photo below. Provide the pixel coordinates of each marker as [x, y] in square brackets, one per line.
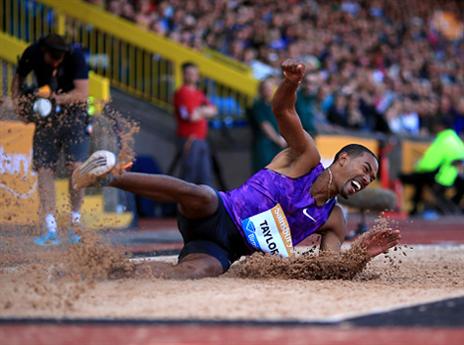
[267, 188]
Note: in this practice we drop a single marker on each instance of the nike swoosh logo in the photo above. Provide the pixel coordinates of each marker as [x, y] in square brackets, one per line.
[305, 212]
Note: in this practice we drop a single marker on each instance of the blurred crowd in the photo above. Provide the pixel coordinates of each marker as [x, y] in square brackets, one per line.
[378, 65]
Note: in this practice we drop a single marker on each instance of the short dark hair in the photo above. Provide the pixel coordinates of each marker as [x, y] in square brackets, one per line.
[188, 64]
[354, 150]
[55, 45]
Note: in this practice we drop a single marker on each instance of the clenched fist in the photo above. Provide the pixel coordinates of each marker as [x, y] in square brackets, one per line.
[293, 70]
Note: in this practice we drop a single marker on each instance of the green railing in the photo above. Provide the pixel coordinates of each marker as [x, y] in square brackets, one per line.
[138, 61]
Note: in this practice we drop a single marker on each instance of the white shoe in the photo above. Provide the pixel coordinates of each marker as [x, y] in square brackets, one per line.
[99, 164]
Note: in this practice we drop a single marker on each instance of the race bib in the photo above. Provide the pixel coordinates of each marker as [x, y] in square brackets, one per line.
[269, 232]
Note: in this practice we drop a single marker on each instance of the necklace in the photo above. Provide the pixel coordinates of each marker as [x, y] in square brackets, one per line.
[330, 183]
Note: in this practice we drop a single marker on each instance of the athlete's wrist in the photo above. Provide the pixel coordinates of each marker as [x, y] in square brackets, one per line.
[292, 82]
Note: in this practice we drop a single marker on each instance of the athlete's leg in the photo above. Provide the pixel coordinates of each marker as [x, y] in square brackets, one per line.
[46, 184]
[76, 148]
[194, 201]
[192, 266]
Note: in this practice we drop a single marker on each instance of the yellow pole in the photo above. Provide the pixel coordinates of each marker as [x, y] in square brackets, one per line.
[30, 27]
[131, 62]
[60, 25]
[146, 75]
[100, 46]
[108, 54]
[23, 22]
[155, 77]
[177, 74]
[2, 78]
[15, 19]
[2, 4]
[7, 16]
[116, 62]
[37, 20]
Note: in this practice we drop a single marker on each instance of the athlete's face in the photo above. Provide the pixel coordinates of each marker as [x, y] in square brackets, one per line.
[356, 173]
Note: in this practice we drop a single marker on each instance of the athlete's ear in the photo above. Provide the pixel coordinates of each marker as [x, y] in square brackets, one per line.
[343, 159]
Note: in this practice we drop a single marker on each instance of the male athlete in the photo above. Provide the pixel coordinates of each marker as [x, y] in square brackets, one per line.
[278, 207]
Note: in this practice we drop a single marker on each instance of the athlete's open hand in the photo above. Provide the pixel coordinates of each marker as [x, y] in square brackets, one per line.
[378, 241]
[293, 70]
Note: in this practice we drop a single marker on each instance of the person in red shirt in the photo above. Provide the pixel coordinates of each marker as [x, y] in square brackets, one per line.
[192, 109]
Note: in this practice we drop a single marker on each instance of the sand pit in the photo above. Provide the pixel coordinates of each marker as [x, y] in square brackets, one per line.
[425, 273]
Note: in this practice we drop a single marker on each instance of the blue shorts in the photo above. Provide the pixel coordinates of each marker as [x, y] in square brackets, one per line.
[67, 133]
[215, 235]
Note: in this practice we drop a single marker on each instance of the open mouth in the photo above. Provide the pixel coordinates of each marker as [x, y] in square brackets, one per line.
[356, 185]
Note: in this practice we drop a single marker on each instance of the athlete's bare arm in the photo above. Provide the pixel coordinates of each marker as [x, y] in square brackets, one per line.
[301, 154]
[373, 242]
[333, 231]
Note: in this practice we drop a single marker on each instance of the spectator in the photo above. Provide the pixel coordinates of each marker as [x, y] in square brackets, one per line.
[306, 102]
[338, 112]
[403, 118]
[375, 122]
[355, 117]
[192, 110]
[267, 141]
[459, 118]
[61, 68]
[409, 50]
[440, 169]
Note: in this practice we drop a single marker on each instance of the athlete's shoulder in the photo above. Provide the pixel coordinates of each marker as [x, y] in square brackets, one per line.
[287, 164]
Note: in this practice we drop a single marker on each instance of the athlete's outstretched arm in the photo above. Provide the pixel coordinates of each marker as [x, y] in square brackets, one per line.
[328, 265]
[283, 106]
[373, 242]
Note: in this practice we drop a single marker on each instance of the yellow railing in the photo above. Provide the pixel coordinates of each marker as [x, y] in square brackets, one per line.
[8, 57]
[11, 49]
[135, 60]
